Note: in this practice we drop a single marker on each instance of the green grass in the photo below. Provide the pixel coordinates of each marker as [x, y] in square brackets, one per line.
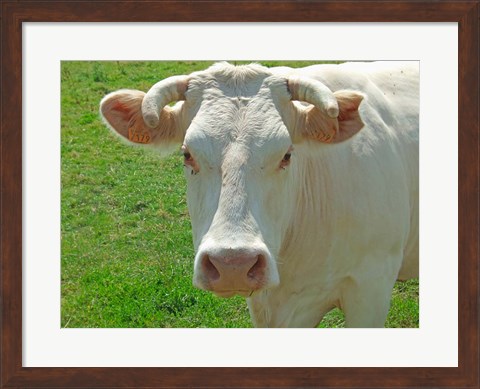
[127, 253]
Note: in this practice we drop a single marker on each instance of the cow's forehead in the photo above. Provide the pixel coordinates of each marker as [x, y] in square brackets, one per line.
[251, 124]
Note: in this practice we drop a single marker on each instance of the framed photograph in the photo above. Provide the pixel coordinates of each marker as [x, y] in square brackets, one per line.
[60, 58]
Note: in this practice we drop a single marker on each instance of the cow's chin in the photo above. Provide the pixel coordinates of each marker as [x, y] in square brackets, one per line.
[231, 293]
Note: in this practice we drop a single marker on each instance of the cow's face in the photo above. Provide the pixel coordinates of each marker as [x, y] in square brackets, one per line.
[237, 151]
[237, 136]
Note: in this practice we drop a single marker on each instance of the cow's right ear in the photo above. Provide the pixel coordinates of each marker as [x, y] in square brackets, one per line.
[122, 111]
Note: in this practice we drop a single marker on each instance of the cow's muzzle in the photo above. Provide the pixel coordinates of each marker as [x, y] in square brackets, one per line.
[234, 272]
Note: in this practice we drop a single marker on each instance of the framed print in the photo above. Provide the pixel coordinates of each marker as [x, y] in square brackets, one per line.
[41, 41]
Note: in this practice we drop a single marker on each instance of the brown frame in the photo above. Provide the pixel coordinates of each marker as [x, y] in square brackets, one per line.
[14, 13]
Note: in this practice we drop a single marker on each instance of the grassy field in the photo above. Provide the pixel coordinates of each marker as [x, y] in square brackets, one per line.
[127, 253]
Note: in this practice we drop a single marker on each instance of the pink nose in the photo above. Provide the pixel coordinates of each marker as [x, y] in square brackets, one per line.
[235, 274]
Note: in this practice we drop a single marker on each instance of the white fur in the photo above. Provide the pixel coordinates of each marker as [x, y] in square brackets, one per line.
[340, 223]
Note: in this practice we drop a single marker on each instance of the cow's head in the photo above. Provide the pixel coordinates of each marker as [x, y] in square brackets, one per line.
[237, 128]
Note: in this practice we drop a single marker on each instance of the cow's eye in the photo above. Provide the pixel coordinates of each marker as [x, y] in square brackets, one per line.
[186, 154]
[286, 159]
[188, 160]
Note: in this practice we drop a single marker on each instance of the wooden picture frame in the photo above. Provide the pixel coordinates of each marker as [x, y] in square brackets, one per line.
[14, 13]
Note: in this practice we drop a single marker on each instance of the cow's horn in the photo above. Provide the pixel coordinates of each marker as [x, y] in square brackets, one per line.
[313, 92]
[159, 95]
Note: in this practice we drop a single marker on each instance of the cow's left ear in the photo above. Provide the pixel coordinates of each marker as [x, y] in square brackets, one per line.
[324, 128]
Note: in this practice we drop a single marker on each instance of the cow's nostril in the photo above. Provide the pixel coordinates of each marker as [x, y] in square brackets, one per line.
[257, 270]
[209, 269]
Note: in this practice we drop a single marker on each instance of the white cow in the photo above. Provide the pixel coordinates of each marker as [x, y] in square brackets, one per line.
[302, 183]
